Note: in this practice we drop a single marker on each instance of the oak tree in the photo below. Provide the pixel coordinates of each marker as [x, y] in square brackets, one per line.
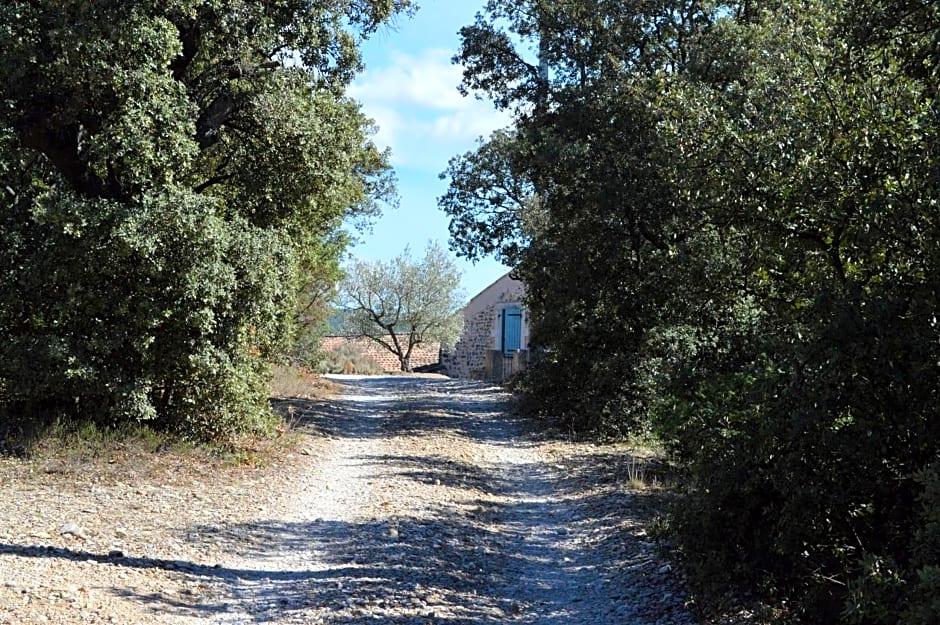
[168, 168]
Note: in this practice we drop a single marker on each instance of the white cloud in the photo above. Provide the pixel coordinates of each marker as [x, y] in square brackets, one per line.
[469, 123]
[429, 81]
[388, 123]
[420, 114]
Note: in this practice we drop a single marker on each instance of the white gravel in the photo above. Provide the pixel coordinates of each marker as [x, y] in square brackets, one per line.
[430, 506]
[419, 500]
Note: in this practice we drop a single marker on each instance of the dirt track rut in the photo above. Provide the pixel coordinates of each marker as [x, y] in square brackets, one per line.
[431, 506]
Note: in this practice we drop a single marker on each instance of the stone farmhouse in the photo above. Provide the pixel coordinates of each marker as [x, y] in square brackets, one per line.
[495, 338]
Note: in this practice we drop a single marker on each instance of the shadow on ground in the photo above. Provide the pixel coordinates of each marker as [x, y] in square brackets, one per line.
[449, 569]
[407, 406]
[540, 545]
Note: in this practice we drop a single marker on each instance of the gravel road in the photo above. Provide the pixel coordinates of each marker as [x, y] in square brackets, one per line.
[431, 506]
[416, 500]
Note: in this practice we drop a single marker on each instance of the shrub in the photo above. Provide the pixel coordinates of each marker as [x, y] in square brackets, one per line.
[813, 470]
[162, 314]
[887, 592]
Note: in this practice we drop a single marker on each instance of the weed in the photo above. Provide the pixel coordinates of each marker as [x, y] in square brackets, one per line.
[350, 360]
[292, 420]
[638, 475]
[297, 382]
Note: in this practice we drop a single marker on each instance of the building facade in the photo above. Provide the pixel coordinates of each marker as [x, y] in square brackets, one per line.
[495, 339]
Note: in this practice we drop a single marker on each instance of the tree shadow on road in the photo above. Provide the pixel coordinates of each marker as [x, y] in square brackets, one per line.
[588, 499]
[527, 543]
[508, 556]
[511, 556]
[407, 406]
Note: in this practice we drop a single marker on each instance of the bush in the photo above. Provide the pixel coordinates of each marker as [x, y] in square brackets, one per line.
[156, 313]
[887, 592]
[812, 470]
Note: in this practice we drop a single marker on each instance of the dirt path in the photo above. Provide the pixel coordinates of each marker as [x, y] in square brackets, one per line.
[430, 507]
[416, 501]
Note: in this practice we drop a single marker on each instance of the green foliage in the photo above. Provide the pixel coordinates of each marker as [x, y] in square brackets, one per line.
[172, 177]
[403, 303]
[883, 591]
[578, 195]
[317, 289]
[736, 249]
[837, 414]
[490, 201]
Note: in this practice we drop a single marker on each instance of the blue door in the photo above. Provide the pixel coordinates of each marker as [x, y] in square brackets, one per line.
[512, 329]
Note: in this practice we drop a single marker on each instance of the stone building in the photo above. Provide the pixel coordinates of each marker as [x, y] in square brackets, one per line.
[495, 338]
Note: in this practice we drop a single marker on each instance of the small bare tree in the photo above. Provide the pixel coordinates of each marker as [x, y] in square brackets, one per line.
[405, 302]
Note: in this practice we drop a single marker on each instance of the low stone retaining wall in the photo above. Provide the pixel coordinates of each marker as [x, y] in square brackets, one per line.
[422, 355]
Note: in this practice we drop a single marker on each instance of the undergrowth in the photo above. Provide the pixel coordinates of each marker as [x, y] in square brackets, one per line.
[349, 359]
[72, 443]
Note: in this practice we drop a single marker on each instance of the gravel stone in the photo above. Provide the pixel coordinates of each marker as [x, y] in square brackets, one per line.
[72, 529]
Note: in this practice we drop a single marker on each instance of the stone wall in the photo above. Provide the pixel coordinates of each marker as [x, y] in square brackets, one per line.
[422, 355]
[468, 358]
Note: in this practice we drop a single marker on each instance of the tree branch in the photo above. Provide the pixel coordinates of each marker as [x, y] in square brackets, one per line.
[189, 37]
[61, 147]
[212, 119]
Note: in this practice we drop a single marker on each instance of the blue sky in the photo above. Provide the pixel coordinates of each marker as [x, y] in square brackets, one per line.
[409, 88]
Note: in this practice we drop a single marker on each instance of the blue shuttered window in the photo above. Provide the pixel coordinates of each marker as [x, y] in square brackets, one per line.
[512, 329]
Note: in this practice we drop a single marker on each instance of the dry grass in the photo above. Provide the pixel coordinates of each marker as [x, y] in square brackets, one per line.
[638, 475]
[301, 383]
[86, 452]
[350, 359]
[115, 454]
[146, 458]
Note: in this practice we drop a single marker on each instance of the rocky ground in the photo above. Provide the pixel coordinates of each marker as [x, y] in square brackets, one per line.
[411, 500]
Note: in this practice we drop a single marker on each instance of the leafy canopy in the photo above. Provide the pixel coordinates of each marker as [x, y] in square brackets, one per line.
[170, 169]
